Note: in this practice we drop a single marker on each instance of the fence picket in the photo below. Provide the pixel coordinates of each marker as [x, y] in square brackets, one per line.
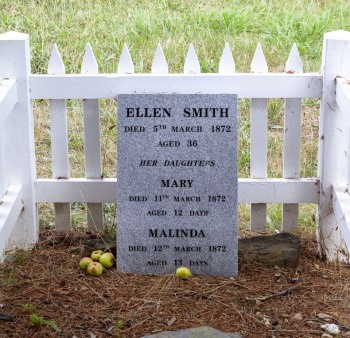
[227, 63]
[159, 65]
[258, 143]
[192, 65]
[291, 153]
[125, 65]
[59, 142]
[92, 142]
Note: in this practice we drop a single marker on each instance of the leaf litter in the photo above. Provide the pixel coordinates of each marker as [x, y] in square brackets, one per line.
[47, 282]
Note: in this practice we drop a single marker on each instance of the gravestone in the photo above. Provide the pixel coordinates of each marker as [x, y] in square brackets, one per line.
[177, 183]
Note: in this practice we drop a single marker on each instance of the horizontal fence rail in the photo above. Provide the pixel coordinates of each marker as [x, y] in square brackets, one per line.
[277, 190]
[108, 86]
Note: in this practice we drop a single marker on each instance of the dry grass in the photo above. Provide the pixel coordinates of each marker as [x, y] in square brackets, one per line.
[48, 283]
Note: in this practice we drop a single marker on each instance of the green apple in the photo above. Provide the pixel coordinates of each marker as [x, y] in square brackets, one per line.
[95, 255]
[84, 262]
[95, 269]
[107, 260]
[183, 272]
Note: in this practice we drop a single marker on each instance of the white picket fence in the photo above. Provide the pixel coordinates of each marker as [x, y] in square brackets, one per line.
[22, 190]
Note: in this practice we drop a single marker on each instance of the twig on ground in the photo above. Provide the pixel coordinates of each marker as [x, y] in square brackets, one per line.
[280, 293]
[93, 329]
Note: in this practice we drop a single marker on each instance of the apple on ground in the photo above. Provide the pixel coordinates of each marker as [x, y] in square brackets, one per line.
[95, 269]
[183, 272]
[107, 260]
[95, 255]
[84, 262]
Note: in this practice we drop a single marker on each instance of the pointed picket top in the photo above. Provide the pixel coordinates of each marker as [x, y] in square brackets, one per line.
[227, 63]
[125, 66]
[294, 63]
[89, 64]
[259, 64]
[159, 65]
[192, 65]
[56, 65]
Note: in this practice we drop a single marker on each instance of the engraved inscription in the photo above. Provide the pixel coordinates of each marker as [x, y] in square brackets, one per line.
[177, 183]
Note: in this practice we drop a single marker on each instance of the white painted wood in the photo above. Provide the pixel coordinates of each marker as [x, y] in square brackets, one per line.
[273, 85]
[258, 143]
[227, 63]
[159, 65]
[249, 190]
[278, 190]
[258, 138]
[56, 65]
[92, 143]
[342, 90]
[10, 209]
[59, 138]
[259, 64]
[343, 101]
[341, 207]
[8, 99]
[294, 63]
[347, 180]
[92, 139]
[82, 190]
[292, 134]
[59, 142]
[18, 137]
[333, 144]
[192, 65]
[125, 66]
[89, 64]
[3, 184]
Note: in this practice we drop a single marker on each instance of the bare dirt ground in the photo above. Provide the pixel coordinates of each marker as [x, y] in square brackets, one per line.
[49, 296]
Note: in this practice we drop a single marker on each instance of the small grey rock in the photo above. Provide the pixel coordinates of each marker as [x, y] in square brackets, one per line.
[323, 316]
[235, 335]
[198, 332]
[331, 328]
[8, 317]
[347, 334]
[326, 335]
[310, 323]
[297, 317]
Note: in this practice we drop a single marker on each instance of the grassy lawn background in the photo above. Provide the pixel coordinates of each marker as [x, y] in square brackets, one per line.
[107, 25]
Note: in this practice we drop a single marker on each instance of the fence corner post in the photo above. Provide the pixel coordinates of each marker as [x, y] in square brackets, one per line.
[18, 137]
[333, 145]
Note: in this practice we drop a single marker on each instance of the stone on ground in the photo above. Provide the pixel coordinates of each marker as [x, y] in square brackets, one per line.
[276, 250]
[198, 332]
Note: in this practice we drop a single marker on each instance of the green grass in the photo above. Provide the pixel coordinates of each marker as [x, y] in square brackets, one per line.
[107, 25]
[37, 320]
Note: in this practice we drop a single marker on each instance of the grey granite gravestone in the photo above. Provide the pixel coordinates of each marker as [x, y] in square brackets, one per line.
[177, 183]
